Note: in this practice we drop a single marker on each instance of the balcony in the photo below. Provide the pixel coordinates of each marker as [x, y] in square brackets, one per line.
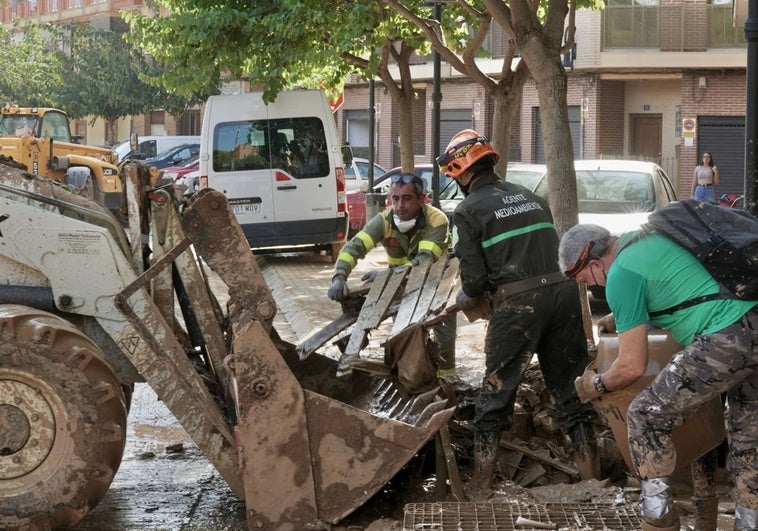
[670, 28]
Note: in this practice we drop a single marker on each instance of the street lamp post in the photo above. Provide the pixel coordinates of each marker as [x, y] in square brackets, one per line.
[436, 99]
[751, 111]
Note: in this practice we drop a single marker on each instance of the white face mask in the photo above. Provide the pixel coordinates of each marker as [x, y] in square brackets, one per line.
[404, 226]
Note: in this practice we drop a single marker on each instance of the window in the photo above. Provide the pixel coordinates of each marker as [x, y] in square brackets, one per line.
[722, 33]
[630, 24]
[295, 145]
[55, 126]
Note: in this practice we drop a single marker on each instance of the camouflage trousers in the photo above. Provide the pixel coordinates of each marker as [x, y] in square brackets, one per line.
[725, 362]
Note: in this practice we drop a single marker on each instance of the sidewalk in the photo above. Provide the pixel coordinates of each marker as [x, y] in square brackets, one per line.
[299, 283]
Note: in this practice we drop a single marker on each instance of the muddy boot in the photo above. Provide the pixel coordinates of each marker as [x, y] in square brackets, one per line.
[706, 513]
[658, 511]
[745, 519]
[585, 451]
[485, 458]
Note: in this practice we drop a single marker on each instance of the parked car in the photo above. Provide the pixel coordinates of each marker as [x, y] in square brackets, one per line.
[150, 146]
[356, 175]
[356, 199]
[174, 156]
[174, 173]
[615, 194]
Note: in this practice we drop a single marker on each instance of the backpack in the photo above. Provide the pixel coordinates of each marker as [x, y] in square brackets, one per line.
[724, 240]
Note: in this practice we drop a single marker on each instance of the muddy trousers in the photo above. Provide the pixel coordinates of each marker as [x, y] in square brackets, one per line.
[546, 321]
[444, 333]
[723, 362]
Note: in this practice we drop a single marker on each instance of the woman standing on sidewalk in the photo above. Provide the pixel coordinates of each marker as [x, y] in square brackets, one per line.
[705, 176]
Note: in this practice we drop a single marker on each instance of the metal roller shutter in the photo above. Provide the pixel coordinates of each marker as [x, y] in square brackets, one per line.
[724, 138]
[452, 121]
[575, 125]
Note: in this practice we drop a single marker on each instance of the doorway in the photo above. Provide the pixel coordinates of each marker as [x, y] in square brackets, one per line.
[646, 137]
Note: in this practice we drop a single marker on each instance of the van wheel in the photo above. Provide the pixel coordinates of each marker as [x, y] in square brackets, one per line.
[62, 421]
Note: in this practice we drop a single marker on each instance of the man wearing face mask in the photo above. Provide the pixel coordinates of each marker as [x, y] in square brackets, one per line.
[508, 250]
[411, 233]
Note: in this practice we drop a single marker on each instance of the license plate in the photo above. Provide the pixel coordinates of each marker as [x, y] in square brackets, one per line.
[246, 206]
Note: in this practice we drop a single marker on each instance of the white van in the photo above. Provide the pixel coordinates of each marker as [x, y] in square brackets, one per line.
[280, 166]
[150, 146]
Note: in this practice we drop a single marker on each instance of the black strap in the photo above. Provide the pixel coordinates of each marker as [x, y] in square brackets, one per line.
[506, 290]
[689, 302]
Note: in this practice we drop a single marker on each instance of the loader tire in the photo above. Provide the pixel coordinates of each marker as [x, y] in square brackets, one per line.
[62, 421]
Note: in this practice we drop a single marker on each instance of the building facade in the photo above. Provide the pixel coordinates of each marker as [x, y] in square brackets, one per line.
[649, 79]
[661, 80]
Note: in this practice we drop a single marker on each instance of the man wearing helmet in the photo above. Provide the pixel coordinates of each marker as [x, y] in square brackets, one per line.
[508, 251]
[411, 232]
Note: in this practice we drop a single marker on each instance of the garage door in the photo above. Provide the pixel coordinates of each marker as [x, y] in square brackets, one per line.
[724, 138]
[452, 121]
[575, 125]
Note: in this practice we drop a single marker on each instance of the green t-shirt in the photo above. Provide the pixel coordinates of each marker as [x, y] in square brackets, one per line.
[654, 274]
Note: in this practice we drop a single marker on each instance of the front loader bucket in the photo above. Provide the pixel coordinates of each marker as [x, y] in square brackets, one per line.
[314, 447]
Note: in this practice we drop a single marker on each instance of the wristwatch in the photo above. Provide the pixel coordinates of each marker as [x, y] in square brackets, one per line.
[599, 385]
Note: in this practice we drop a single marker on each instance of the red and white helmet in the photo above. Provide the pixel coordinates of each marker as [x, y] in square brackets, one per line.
[464, 149]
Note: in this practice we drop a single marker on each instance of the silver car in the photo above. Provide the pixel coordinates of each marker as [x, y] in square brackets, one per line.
[615, 194]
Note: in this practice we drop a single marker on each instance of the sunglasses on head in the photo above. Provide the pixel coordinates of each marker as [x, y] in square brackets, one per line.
[405, 178]
[592, 251]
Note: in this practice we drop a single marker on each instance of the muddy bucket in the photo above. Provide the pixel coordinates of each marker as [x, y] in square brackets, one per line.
[313, 447]
[701, 433]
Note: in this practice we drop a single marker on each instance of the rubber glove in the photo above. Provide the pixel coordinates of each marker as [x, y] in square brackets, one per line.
[370, 276]
[465, 302]
[338, 290]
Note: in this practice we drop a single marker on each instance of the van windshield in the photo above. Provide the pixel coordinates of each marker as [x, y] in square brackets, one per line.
[296, 145]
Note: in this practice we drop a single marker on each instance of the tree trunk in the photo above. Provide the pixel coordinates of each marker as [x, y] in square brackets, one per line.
[403, 96]
[506, 98]
[550, 78]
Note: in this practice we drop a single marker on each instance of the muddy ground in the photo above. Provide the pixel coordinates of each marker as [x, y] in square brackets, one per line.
[165, 483]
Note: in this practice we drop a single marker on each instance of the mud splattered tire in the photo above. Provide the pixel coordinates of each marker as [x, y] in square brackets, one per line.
[62, 421]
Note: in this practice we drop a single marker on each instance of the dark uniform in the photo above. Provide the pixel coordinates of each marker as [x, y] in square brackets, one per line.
[508, 247]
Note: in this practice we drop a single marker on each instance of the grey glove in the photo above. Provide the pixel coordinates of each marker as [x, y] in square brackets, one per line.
[465, 302]
[606, 324]
[370, 276]
[338, 290]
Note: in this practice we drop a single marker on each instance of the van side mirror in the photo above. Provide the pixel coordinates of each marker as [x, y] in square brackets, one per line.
[347, 155]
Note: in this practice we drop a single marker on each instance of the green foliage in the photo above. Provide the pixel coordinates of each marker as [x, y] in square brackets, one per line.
[31, 64]
[276, 45]
[105, 78]
[83, 71]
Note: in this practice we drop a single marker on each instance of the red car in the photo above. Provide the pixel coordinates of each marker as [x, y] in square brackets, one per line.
[177, 172]
[356, 199]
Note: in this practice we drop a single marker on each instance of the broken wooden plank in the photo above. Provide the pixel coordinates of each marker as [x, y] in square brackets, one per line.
[511, 460]
[428, 290]
[536, 455]
[531, 474]
[365, 318]
[389, 295]
[316, 339]
[447, 282]
[411, 294]
[453, 474]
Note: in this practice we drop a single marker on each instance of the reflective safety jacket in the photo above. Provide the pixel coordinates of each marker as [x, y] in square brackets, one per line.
[427, 240]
